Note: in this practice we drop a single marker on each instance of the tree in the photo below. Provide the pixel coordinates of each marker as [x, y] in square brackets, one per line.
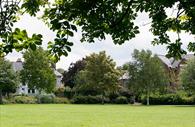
[187, 76]
[99, 75]
[69, 76]
[8, 78]
[147, 74]
[37, 72]
[99, 18]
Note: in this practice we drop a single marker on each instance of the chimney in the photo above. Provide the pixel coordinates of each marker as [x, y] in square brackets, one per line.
[19, 60]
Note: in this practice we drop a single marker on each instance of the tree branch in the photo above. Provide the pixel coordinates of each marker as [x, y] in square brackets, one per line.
[123, 16]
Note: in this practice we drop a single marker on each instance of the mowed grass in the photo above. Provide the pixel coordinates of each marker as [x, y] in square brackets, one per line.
[96, 116]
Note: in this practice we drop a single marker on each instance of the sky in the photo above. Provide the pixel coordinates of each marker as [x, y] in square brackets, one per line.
[120, 53]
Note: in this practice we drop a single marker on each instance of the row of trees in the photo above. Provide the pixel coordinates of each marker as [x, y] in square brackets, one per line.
[97, 75]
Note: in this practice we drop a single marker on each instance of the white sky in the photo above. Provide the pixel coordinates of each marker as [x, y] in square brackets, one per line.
[120, 53]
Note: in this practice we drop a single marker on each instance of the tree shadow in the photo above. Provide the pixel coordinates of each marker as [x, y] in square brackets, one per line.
[185, 106]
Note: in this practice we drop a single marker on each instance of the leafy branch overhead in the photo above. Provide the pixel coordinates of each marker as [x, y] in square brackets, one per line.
[14, 39]
[99, 18]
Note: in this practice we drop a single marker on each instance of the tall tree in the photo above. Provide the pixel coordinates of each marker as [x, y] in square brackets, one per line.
[37, 72]
[69, 77]
[187, 76]
[147, 74]
[8, 78]
[99, 74]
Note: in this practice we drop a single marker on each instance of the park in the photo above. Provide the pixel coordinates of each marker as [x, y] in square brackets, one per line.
[97, 63]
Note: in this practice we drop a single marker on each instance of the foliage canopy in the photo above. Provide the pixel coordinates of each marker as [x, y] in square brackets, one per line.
[146, 73]
[37, 71]
[97, 19]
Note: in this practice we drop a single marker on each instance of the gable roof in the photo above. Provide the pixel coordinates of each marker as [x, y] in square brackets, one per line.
[58, 74]
[18, 66]
[124, 76]
[173, 63]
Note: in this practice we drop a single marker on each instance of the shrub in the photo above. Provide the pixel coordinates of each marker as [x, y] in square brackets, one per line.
[68, 92]
[121, 100]
[58, 100]
[90, 99]
[170, 99]
[24, 100]
[59, 92]
[46, 99]
[6, 101]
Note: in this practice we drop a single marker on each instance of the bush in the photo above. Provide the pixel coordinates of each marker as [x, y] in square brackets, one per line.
[58, 100]
[24, 100]
[46, 99]
[90, 99]
[121, 100]
[6, 101]
[68, 92]
[170, 99]
[59, 92]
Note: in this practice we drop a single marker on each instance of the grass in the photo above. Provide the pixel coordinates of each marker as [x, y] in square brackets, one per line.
[96, 116]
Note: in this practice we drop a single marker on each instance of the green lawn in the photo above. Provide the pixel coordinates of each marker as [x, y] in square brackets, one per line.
[96, 116]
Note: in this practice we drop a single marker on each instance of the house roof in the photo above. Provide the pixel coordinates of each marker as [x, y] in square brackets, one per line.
[58, 74]
[18, 66]
[173, 63]
[124, 76]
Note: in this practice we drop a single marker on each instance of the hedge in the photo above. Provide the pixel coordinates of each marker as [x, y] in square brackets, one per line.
[170, 99]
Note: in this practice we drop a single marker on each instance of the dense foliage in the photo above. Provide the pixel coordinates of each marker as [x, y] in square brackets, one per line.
[188, 76]
[69, 77]
[99, 75]
[146, 74]
[170, 99]
[8, 78]
[37, 71]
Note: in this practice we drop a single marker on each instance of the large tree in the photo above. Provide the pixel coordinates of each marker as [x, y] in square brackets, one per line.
[99, 18]
[99, 75]
[69, 77]
[187, 76]
[146, 74]
[37, 71]
[8, 78]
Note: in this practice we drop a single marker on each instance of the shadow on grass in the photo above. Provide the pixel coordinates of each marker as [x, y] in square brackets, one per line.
[184, 105]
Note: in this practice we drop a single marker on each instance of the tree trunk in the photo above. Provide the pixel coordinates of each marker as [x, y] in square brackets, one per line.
[39, 97]
[148, 97]
[1, 97]
[133, 99]
[103, 99]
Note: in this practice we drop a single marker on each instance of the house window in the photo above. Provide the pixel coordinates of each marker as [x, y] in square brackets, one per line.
[33, 90]
[23, 89]
[28, 90]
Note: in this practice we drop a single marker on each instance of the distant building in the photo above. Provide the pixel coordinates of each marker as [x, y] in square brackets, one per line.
[23, 88]
[174, 67]
[124, 79]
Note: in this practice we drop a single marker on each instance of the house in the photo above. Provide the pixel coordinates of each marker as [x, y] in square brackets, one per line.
[173, 67]
[124, 79]
[23, 88]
